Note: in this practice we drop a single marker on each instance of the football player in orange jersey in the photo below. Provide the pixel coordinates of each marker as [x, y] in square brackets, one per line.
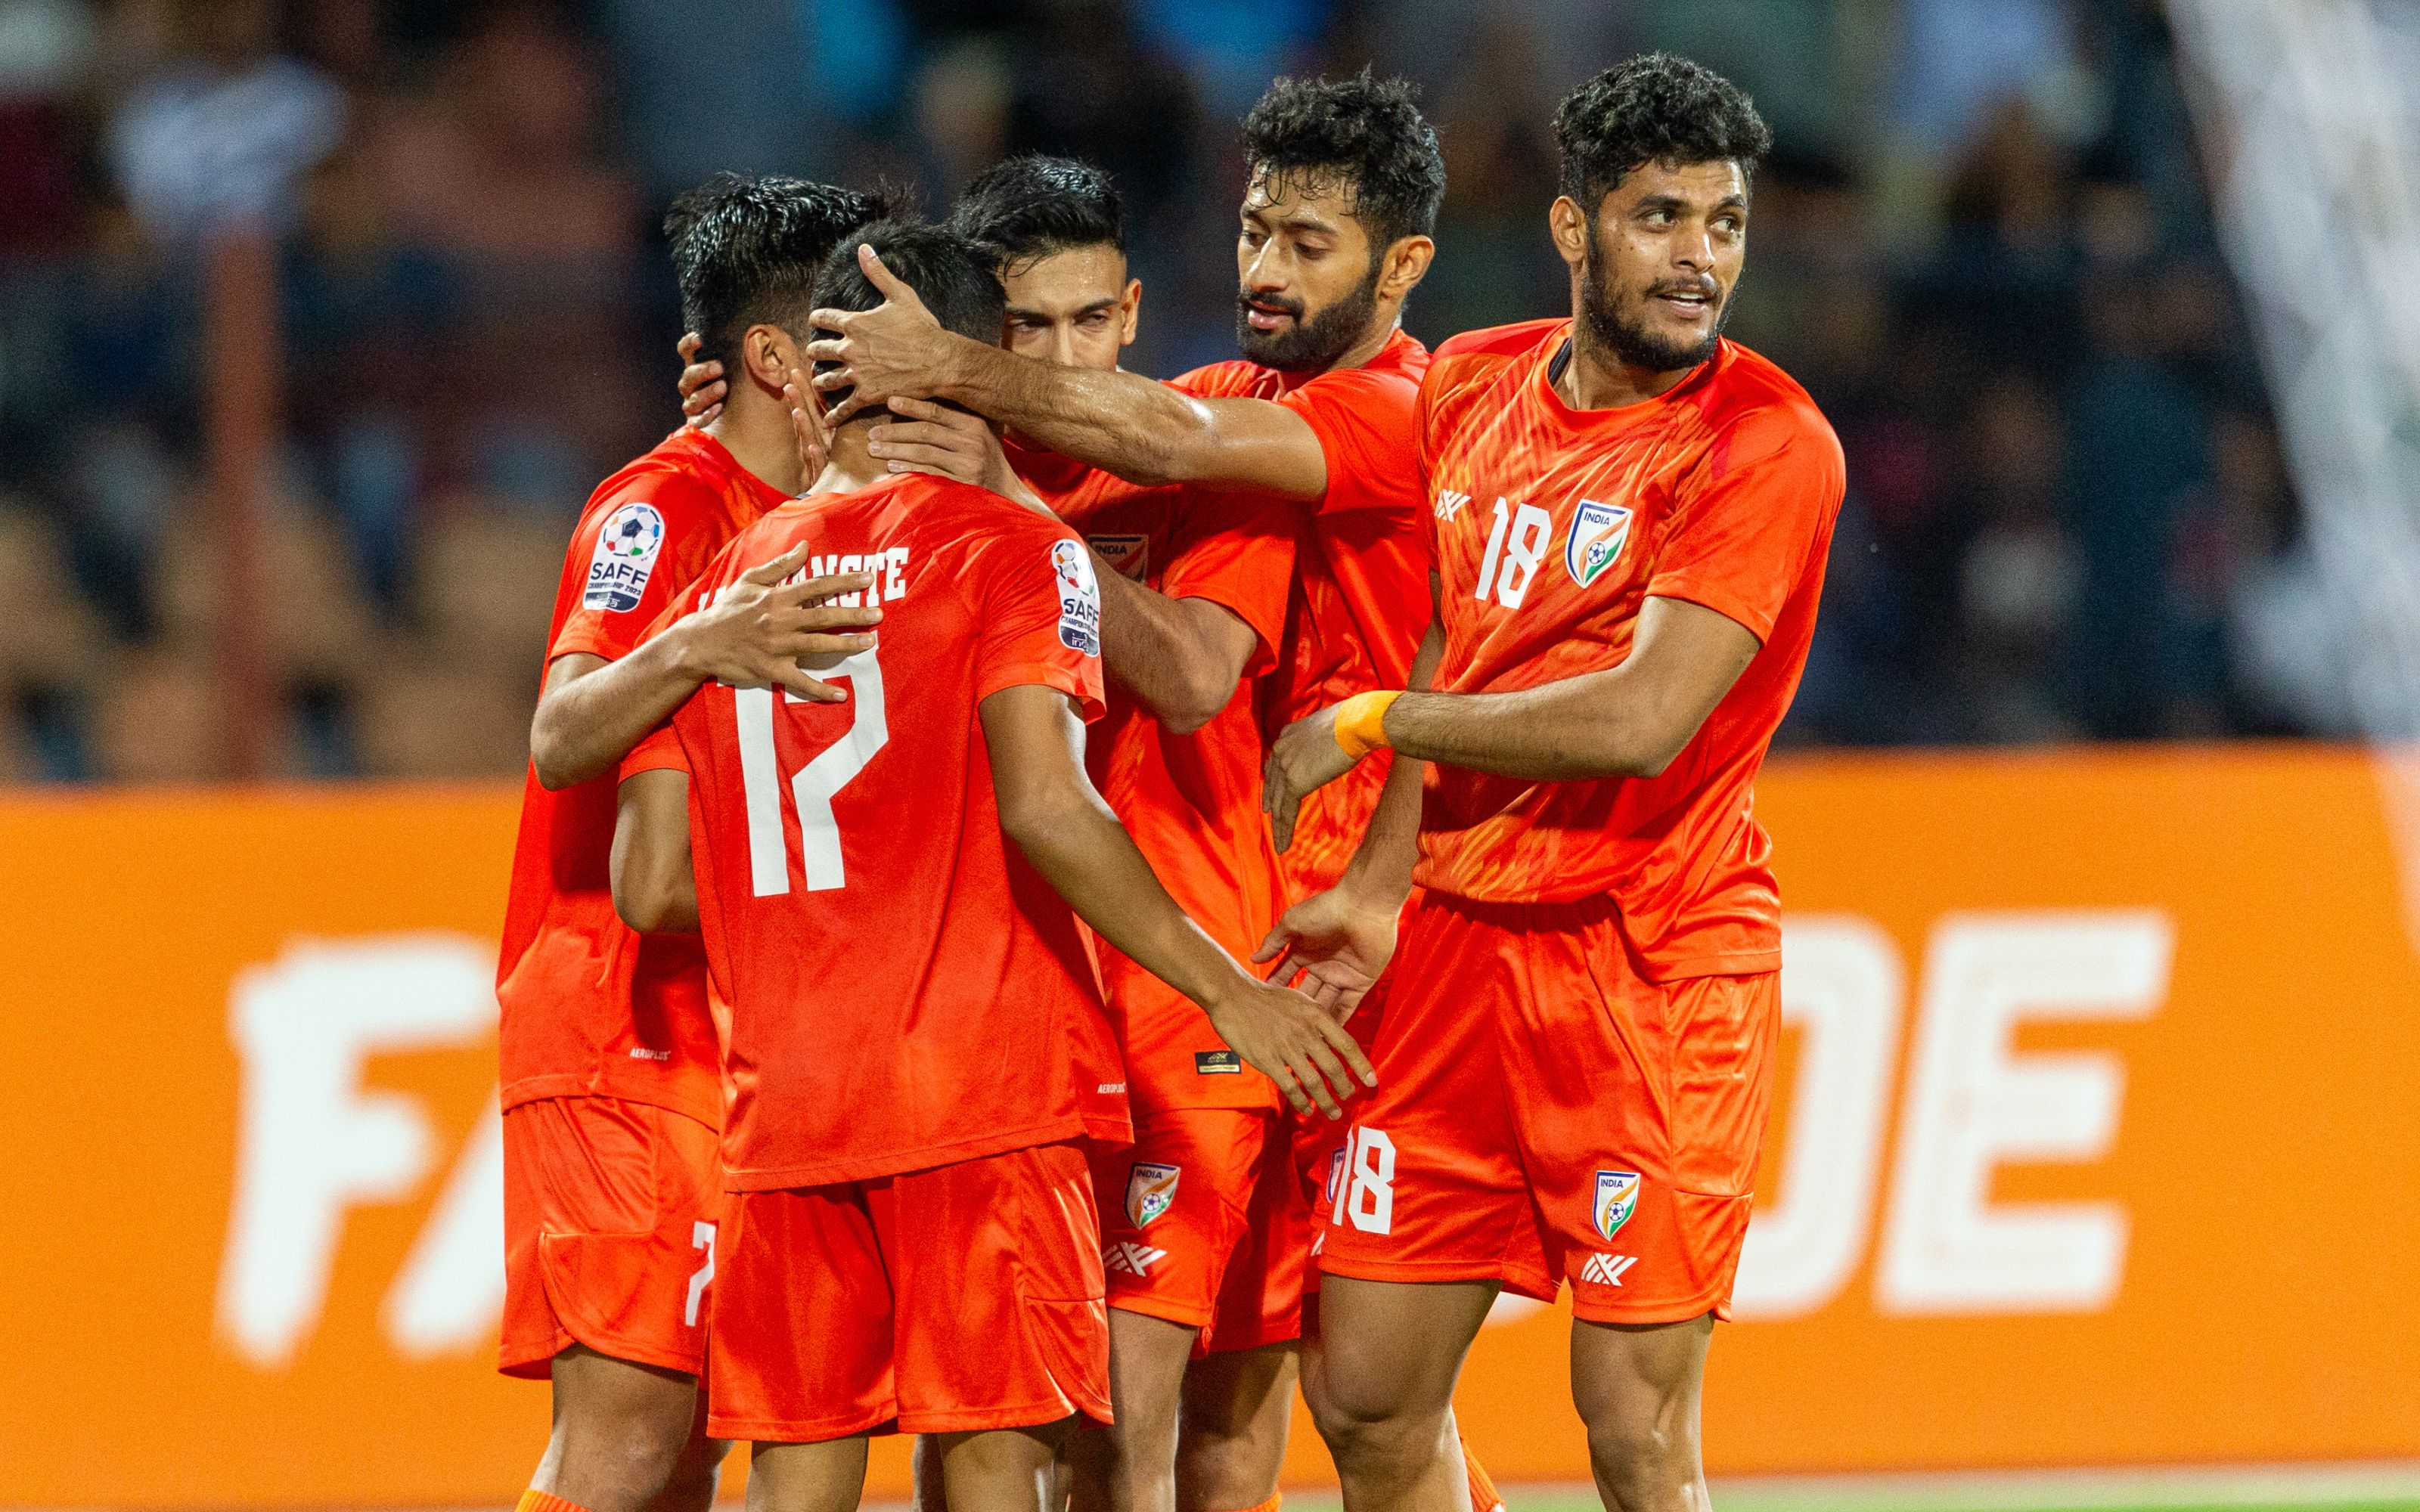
[1631, 519]
[922, 1250]
[1313, 276]
[609, 1057]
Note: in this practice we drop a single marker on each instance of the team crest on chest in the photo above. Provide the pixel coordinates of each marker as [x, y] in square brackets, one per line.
[1129, 554]
[1616, 1195]
[1599, 531]
[1150, 1190]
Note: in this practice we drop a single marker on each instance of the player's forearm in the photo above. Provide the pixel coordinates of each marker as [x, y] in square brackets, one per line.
[1381, 868]
[585, 726]
[1175, 655]
[1084, 853]
[1582, 727]
[1137, 428]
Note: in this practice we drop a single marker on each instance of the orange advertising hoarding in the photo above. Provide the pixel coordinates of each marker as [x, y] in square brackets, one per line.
[2097, 1139]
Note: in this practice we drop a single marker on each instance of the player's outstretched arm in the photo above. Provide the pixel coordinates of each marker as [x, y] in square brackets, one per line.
[1343, 938]
[591, 711]
[655, 888]
[1049, 808]
[1142, 430]
[1630, 720]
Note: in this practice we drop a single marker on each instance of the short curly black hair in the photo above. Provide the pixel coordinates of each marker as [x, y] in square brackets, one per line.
[1364, 133]
[1031, 206]
[746, 252]
[1656, 108]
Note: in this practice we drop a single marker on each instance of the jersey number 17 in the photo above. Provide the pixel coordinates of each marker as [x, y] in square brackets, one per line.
[813, 789]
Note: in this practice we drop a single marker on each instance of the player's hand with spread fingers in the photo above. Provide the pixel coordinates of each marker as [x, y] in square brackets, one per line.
[896, 347]
[702, 388]
[807, 427]
[1306, 758]
[756, 634]
[1339, 940]
[1292, 1041]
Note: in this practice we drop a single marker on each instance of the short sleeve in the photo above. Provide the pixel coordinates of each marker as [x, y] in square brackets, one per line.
[1038, 608]
[1752, 517]
[1237, 551]
[1368, 425]
[660, 751]
[633, 553]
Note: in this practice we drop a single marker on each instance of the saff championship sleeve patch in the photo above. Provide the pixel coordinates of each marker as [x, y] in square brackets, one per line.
[624, 559]
[1079, 597]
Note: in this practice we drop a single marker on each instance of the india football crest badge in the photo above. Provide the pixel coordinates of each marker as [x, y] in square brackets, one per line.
[1616, 1195]
[1150, 1191]
[1128, 554]
[1599, 531]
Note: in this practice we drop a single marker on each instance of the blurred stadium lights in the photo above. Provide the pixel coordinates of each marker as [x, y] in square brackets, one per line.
[2309, 112]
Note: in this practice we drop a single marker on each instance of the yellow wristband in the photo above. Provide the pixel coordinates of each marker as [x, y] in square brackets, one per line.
[1361, 722]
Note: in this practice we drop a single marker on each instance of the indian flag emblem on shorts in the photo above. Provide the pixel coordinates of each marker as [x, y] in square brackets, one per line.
[1616, 1193]
[1150, 1190]
[1599, 531]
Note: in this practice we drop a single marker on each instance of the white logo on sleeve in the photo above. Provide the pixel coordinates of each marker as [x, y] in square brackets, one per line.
[1079, 597]
[624, 559]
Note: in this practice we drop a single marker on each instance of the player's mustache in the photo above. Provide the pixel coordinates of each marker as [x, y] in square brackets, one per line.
[1247, 299]
[1703, 284]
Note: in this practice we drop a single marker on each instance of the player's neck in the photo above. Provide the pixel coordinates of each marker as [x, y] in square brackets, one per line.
[1374, 341]
[1594, 378]
[849, 464]
[755, 428]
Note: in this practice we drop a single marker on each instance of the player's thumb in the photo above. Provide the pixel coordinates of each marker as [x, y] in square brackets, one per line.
[1281, 940]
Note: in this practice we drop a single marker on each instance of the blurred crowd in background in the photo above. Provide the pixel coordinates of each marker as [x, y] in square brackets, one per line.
[1984, 244]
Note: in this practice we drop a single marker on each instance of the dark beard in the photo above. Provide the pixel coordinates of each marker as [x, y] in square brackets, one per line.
[1635, 346]
[1311, 346]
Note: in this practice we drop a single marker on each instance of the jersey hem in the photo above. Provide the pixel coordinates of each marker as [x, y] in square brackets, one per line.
[708, 1111]
[1535, 1285]
[1028, 673]
[904, 1162]
[573, 643]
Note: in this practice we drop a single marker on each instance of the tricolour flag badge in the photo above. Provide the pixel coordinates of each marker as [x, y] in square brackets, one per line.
[1150, 1190]
[1616, 1193]
[1599, 531]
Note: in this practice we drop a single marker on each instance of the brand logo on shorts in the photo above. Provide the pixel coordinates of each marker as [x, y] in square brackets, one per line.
[624, 560]
[1617, 1196]
[1608, 1270]
[1130, 555]
[1335, 1173]
[1130, 1259]
[1151, 1190]
[1218, 1063]
[1599, 531]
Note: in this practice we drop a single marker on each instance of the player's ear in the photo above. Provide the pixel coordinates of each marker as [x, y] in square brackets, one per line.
[769, 354]
[1129, 312]
[1569, 225]
[1404, 264]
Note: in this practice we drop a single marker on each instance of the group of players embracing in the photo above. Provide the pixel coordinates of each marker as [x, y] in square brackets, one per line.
[880, 1052]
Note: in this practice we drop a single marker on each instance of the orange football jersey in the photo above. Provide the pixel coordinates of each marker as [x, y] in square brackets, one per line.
[1552, 527]
[904, 991]
[1364, 599]
[588, 1006]
[1191, 801]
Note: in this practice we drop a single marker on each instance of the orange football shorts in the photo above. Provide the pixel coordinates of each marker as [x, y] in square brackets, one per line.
[610, 1215]
[1204, 1223]
[952, 1300]
[1546, 1114]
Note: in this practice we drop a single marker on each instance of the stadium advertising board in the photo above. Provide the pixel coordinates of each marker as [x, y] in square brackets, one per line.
[2095, 1140]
